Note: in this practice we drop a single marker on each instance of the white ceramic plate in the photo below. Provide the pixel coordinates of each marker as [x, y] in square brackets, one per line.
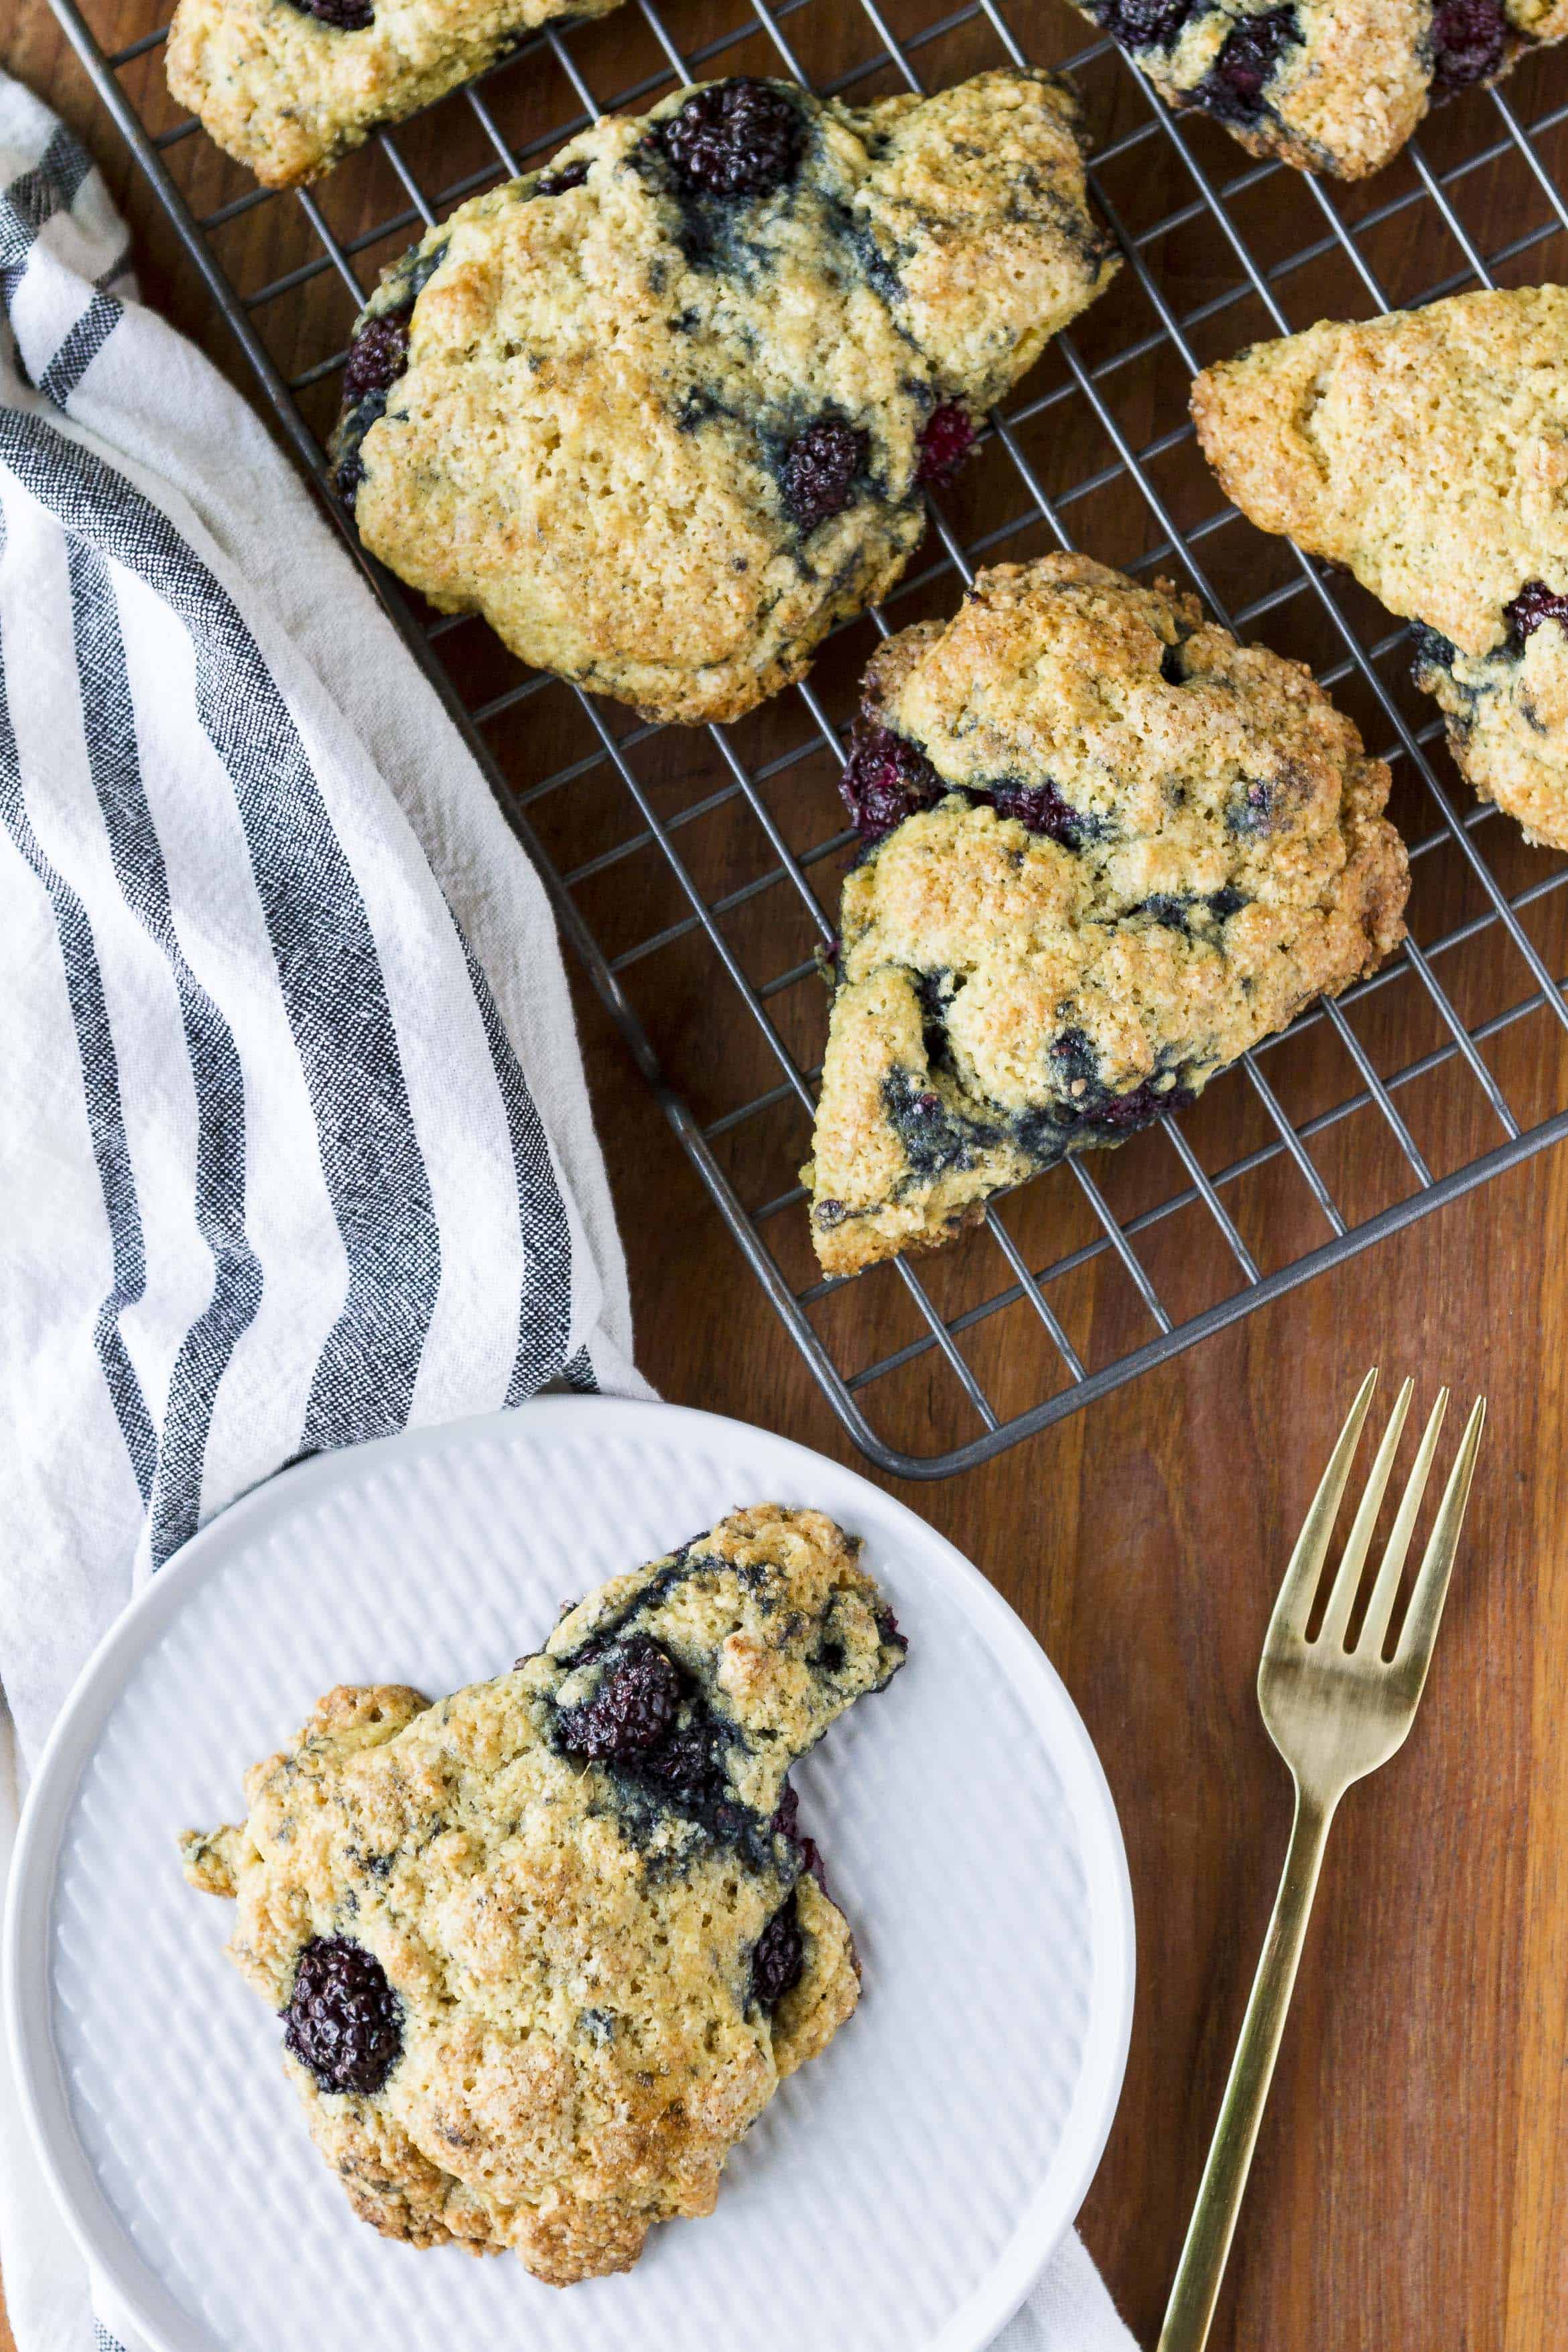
[900, 2194]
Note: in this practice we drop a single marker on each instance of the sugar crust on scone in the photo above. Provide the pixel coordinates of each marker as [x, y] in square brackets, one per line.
[1140, 848]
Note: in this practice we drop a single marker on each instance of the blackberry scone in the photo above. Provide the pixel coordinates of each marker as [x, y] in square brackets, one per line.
[1428, 452]
[544, 1951]
[1108, 849]
[289, 86]
[663, 412]
[1333, 86]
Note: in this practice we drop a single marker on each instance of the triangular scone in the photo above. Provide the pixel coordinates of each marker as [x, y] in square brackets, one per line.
[289, 86]
[1110, 850]
[664, 412]
[1331, 86]
[1428, 452]
[544, 1951]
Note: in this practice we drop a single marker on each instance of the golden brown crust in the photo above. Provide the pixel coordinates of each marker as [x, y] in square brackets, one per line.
[1005, 996]
[589, 442]
[570, 1947]
[1428, 451]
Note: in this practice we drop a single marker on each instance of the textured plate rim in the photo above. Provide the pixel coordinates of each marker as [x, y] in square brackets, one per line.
[42, 2096]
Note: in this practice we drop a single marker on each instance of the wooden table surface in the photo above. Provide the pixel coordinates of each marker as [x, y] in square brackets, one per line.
[1411, 2188]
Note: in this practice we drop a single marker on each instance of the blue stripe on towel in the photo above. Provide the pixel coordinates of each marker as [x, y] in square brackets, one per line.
[109, 721]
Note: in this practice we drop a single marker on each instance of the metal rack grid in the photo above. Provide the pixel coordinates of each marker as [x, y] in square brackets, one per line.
[695, 871]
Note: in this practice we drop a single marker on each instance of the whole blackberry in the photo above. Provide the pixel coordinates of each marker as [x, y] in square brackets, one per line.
[1469, 42]
[343, 2021]
[885, 780]
[377, 356]
[777, 1957]
[818, 476]
[739, 138]
[1234, 85]
[633, 1709]
[555, 183]
[1534, 605]
[343, 15]
[945, 442]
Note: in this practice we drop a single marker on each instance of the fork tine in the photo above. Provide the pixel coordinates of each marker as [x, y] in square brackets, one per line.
[1347, 1576]
[1294, 1604]
[1380, 1608]
[1431, 1587]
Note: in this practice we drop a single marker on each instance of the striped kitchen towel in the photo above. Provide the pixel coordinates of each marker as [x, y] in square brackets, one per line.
[294, 1143]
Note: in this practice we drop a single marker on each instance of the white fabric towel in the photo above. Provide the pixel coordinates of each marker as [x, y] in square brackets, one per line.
[295, 1149]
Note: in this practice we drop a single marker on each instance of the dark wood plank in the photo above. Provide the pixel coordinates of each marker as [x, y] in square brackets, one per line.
[1412, 2182]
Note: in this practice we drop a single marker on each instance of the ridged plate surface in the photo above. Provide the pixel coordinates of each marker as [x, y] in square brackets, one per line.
[900, 2193]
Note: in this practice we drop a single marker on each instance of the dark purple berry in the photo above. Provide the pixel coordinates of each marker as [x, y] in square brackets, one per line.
[1144, 24]
[343, 2021]
[885, 780]
[887, 1630]
[633, 1709]
[377, 356]
[555, 183]
[1253, 810]
[1534, 604]
[777, 1957]
[819, 469]
[1041, 808]
[1469, 42]
[740, 138]
[786, 1824]
[687, 1765]
[945, 442]
[1234, 85]
[1140, 1107]
[343, 15]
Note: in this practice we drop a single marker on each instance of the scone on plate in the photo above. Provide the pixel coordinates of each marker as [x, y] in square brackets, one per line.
[664, 412]
[289, 86]
[546, 1949]
[1108, 849]
[1331, 86]
[1428, 452]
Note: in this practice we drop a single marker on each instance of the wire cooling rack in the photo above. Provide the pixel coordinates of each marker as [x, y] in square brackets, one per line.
[696, 871]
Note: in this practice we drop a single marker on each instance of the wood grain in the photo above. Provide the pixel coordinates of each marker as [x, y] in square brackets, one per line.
[1411, 2188]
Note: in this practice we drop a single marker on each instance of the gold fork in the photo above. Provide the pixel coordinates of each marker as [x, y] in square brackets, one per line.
[1335, 1712]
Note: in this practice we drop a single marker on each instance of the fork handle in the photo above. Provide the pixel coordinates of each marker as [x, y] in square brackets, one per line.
[1190, 2312]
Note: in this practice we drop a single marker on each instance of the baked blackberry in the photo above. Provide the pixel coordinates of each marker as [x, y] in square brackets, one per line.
[343, 2021]
[739, 138]
[819, 470]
